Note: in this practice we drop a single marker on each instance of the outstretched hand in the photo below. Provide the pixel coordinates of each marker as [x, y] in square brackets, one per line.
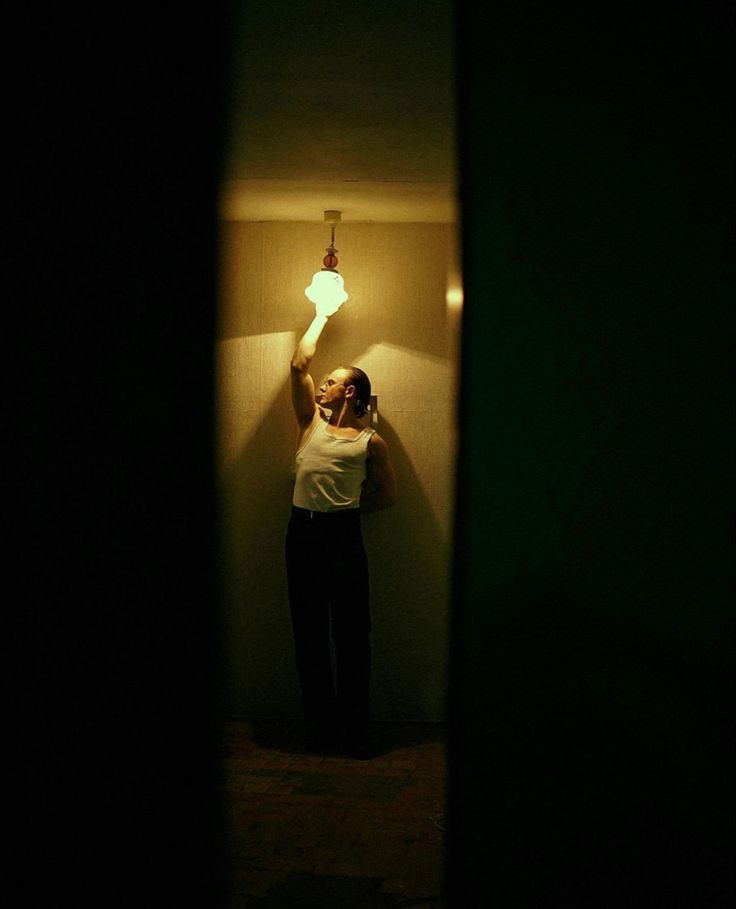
[327, 308]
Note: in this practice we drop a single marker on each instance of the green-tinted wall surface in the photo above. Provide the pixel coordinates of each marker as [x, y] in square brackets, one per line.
[592, 638]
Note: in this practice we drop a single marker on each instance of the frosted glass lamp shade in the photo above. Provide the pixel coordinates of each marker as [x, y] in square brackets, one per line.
[326, 287]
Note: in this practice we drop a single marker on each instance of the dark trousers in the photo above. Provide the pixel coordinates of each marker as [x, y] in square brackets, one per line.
[327, 574]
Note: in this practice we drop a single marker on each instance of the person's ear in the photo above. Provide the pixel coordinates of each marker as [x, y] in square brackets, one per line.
[349, 391]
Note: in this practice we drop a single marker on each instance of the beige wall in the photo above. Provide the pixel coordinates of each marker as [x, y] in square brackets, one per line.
[398, 327]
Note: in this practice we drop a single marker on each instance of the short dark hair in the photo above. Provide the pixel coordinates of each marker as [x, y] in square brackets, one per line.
[362, 385]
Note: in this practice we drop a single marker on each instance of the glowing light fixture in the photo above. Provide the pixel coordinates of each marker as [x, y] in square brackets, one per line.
[327, 284]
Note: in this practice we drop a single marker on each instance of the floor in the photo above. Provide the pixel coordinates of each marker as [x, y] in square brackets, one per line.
[327, 832]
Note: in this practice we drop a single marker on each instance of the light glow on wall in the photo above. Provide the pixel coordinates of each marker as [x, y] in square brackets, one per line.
[454, 296]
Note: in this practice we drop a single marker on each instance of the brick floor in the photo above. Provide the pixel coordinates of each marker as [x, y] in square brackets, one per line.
[327, 832]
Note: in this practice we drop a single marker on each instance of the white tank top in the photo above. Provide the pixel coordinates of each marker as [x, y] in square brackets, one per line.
[330, 471]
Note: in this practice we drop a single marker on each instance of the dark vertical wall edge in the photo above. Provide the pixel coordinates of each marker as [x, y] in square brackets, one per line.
[591, 697]
[115, 138]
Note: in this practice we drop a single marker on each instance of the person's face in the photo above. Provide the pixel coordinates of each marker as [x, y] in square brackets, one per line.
[333, 389]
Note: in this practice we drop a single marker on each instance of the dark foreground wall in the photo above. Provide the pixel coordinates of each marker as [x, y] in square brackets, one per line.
[591, 696]
[114, 134]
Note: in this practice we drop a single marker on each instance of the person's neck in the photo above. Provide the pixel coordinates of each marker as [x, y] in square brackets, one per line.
[346, 418]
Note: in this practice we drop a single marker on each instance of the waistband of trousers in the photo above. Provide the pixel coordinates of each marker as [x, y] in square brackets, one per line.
[342, 514]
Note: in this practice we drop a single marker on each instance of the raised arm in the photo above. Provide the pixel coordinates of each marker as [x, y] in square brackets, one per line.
[380, 488]
[302, 385]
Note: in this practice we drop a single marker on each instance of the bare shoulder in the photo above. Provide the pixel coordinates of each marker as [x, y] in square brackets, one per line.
[377, 446]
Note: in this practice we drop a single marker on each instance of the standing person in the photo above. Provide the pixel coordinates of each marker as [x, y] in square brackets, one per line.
[342, 469]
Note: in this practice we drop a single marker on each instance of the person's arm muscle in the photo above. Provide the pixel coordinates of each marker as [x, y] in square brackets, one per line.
[380, 489]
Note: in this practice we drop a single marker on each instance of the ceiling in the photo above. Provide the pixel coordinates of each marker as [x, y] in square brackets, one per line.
[348, 107]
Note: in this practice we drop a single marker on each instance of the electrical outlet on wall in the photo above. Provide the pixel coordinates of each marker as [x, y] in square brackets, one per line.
[371, 418]
[374, 411]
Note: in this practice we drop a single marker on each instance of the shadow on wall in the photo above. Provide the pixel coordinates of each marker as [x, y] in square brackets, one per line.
[255, 499]
[407, 555]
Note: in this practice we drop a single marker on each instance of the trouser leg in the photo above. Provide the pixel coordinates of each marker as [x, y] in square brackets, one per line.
[351, 627]
[310, 616]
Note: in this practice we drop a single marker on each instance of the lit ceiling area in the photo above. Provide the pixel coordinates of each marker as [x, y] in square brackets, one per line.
[347, 107]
